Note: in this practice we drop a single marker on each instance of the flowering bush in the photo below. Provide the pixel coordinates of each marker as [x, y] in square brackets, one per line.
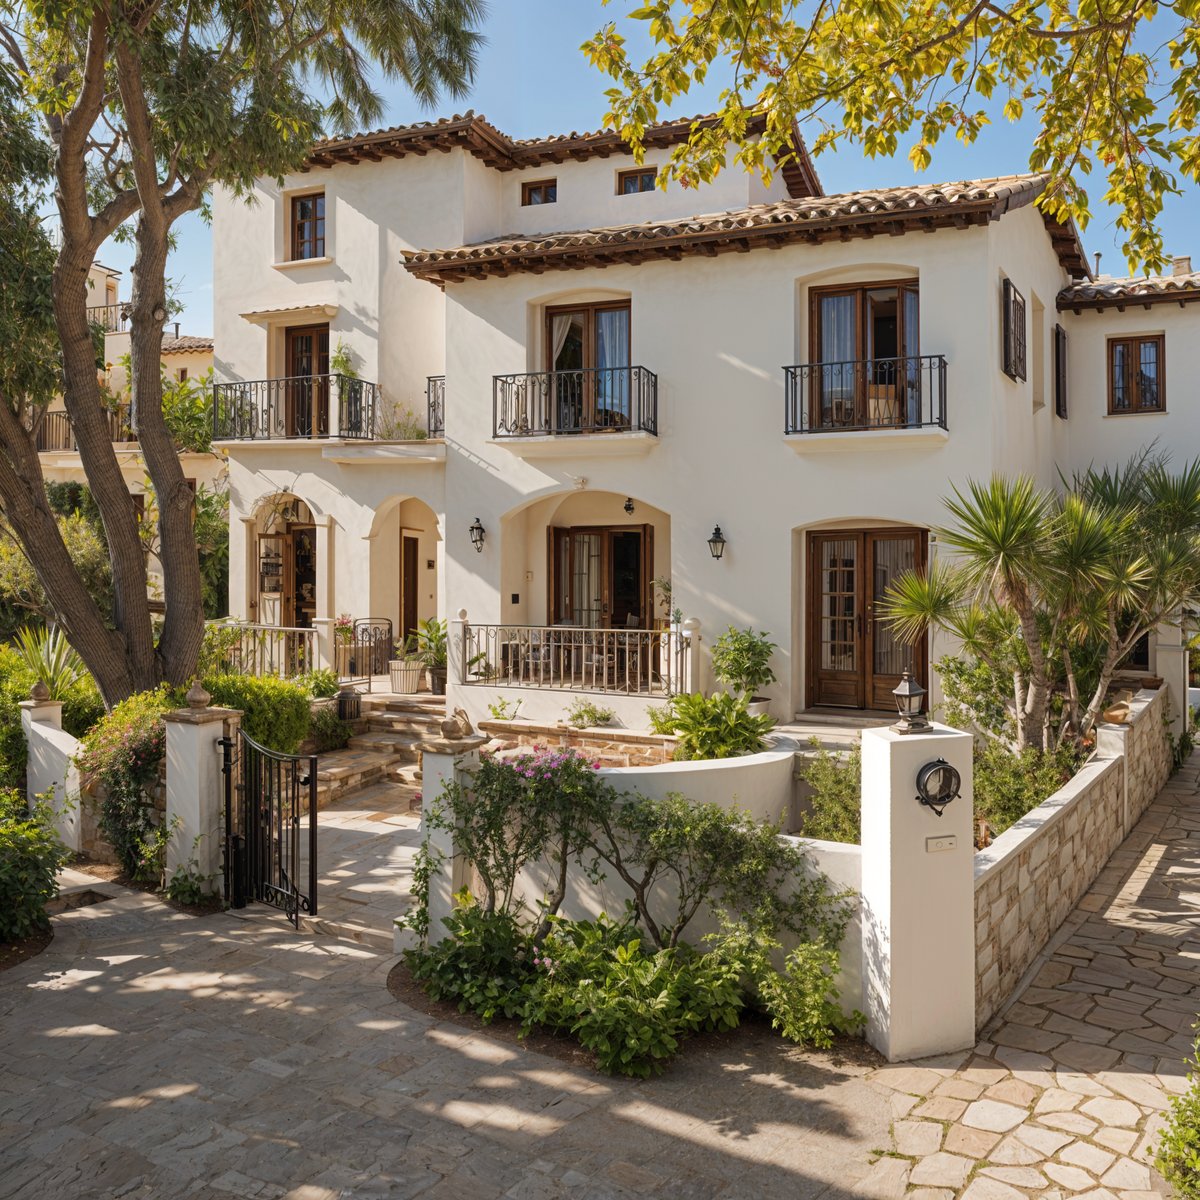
[343, 627]
[124, 751]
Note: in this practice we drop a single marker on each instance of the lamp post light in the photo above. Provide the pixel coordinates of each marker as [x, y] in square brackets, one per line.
[910, 700]
[477, 535]
[716, 543]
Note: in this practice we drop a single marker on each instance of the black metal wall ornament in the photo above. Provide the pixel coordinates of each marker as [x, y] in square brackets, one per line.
[937, 784]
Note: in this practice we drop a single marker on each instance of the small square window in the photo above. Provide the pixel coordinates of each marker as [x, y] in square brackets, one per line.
[1136, 374]
[540, 191]
[181, 374]
[639, 179]
[1014, 332]
[308, 226]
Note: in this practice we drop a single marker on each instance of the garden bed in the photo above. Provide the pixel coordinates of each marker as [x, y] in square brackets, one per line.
[13, 954]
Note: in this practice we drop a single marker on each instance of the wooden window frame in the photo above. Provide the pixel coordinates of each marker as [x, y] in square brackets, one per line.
[530, 185]
[301, 238]
[1133, 388]
[589, 333]
[1060, 372]
[640, 173]
[1015, 330]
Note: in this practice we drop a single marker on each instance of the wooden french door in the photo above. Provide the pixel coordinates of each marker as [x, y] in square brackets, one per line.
[587, 353]
[409, 547]
[600, 577]
[306, 399]
[287, 576]
[854, 659]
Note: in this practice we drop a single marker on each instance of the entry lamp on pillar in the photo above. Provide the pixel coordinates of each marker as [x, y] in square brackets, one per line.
[910, 700]
[716, 543]
[477, 535]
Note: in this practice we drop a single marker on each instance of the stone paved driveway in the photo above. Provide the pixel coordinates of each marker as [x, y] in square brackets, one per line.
[1065, 1094]
[149, 1053]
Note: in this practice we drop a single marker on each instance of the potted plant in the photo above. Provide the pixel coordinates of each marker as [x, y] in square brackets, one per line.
[405, 668]
[742, 662]
[433, 647]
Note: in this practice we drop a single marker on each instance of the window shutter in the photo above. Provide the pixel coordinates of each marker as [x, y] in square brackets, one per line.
[1014, 336]
[1060, 372]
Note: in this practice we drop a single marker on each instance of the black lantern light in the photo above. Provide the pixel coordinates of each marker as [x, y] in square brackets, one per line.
[937, 784]
[910, 700]
[629, 505]
[477, 535]
[716, 543]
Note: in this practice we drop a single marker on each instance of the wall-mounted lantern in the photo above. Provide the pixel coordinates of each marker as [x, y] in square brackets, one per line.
[477, 535]
[716, 543]
[937, 784]
[628, 506]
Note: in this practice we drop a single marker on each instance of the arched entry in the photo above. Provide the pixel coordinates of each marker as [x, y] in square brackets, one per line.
[404, 553]
[284, 584]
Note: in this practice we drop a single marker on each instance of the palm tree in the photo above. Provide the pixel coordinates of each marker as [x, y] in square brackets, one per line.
[1053, 590]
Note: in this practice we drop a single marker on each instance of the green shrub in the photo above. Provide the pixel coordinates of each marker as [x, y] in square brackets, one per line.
[632, 1008]
[741, 660]
[319, 684]
[504, 710]
[836, 782]
[1008, 785]
[717, 726]
[661, 718]
[484, 966]
[30, 856]
[583, 714]
[124, 751]
[328, 731]
[275, 712]
[1178, 1154]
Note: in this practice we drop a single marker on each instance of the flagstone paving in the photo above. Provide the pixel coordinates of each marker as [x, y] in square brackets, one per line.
[1066, 1093]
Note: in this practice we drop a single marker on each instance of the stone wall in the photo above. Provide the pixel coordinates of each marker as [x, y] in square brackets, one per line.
[1029, 879]
[92, 794]
[609, 747]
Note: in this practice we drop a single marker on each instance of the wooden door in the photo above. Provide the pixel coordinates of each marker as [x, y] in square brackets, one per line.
[409, 547]
[307, 393]
[598, 576]
[854, 660]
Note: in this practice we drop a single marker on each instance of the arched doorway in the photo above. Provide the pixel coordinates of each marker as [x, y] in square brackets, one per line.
[405, 544]
[284, 584]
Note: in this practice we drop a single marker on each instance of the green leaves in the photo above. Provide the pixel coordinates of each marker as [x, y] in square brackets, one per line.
[880, 74]
[30, 856]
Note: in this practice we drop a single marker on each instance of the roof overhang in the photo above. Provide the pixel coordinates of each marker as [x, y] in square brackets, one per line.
[293, 312]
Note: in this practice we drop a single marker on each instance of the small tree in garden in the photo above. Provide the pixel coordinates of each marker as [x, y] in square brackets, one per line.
[742, 660]
[1050, 592]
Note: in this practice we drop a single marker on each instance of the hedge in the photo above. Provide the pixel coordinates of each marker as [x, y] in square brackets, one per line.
[275, 712]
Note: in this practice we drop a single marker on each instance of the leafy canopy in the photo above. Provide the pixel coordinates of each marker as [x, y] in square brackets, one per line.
[1111, 95]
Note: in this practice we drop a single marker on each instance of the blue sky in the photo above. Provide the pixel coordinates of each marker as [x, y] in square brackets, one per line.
[532, 80]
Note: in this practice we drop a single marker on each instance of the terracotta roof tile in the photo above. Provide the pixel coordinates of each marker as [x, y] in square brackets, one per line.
[811, 218]
[185, 344]
[1150, 289]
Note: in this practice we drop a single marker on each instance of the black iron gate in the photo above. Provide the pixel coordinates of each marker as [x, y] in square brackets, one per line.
[270, 827]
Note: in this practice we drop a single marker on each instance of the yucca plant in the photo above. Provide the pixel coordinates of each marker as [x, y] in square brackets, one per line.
[1053, 590]
[51, 658]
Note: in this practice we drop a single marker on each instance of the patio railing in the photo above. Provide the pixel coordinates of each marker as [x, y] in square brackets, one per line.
[267, 649]
[650, 662]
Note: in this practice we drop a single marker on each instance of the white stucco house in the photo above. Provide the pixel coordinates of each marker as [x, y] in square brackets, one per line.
[459, 371]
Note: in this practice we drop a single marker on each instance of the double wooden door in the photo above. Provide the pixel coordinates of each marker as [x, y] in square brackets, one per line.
[600, 577]
[306, 399]
[854, 658]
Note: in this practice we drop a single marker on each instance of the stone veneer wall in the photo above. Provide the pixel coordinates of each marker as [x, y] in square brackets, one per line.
[93, 843]
[1032, 876]
[610, 747]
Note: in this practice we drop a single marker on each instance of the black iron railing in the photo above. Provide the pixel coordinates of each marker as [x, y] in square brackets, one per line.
[435, 405]
[112, 318]
[55, 432]
[870, 393]
[598, 400]
[306, 406]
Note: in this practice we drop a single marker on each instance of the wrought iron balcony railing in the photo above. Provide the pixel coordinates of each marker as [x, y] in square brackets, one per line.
[869, 393]
[116, 318]
[597, 400]
[435, 405]
[306, 406]
[54, 430]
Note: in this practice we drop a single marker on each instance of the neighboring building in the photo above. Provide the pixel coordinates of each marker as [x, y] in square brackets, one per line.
[605, 376]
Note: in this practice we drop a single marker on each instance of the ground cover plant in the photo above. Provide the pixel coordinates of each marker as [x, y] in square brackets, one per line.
[708, 727]
[629, 987]
[30, 856]
[1178, 1153]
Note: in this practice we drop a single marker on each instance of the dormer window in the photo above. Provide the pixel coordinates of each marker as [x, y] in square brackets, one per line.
[308, 226]
[541, 191]
[639, 179]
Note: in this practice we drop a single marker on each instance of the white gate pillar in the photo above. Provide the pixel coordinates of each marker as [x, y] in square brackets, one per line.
[918, 897]
[1171, 662]
[195, 785]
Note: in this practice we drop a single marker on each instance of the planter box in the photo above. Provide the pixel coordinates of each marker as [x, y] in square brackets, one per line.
[405, 675]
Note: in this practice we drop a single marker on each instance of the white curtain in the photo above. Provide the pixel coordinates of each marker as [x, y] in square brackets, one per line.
[839, 346]
[612, 351]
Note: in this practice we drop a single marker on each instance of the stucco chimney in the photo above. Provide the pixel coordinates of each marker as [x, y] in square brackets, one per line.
[1181, 264]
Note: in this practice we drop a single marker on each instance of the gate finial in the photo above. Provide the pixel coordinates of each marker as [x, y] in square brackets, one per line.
[196, 696]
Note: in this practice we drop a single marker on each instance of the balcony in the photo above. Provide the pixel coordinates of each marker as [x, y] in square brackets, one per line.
[876, 401]
[598, 410]
[54, 433]
[116, 318]
[306, 407]
[435, 405]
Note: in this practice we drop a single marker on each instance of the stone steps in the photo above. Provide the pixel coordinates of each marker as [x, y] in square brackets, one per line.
[348, 931]
[341, 773]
